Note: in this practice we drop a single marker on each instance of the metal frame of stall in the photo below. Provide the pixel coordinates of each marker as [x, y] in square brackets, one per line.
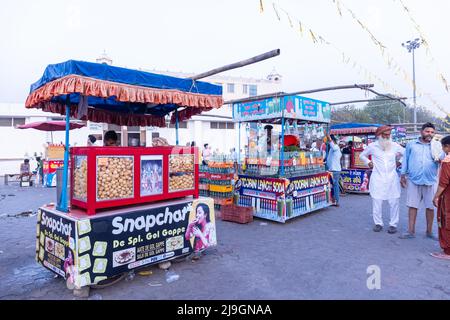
[297, 113]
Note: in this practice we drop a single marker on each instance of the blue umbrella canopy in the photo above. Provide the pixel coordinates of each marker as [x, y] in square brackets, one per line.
[104, 93]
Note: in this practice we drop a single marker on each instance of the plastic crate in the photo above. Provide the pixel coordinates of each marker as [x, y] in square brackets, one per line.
[236, 213]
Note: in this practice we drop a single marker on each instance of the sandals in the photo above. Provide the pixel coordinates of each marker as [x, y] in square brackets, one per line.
[407, 235]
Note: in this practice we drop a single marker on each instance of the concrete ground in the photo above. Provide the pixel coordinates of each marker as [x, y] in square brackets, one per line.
[324, 255]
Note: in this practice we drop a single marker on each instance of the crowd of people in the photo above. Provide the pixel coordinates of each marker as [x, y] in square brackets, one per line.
[424, 174]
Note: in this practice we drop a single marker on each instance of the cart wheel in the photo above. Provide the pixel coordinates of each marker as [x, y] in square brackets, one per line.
[109, 282]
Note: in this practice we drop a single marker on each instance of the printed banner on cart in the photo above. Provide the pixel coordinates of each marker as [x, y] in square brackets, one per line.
[267, 188]
[115, 244]
[55, 243]
[302, 186]
[293, 107]
[356, 180]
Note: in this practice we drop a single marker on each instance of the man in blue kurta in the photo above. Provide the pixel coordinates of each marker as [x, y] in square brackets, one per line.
[419, 177]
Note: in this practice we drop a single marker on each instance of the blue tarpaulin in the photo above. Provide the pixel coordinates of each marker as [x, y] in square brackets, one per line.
[123, 75]
[352, 125]
[118, 95]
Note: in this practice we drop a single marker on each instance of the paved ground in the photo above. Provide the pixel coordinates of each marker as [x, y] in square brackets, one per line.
[319, 256]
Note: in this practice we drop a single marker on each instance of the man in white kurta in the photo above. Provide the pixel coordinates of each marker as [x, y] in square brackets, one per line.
[384, 182]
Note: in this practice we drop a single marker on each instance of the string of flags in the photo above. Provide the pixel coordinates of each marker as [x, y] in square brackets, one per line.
[390, 61]
[346, 59]
[426, 45]
[316, 38]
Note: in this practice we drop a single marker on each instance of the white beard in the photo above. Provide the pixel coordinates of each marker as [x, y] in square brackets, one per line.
[385, 144]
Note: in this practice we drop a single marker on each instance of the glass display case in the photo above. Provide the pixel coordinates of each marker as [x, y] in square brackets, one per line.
[181, 172]
[301, 154]
[80, 178]
[115, 176]
[107, 177]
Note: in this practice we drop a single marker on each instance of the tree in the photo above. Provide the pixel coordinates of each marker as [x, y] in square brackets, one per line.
[384, 112]
[387, 112]
[349, 113]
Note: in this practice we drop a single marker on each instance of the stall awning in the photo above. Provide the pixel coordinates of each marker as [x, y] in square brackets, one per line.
[103, 93]
[354, 128]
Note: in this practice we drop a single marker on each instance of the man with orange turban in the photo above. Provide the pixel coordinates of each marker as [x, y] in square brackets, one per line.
[384, 182]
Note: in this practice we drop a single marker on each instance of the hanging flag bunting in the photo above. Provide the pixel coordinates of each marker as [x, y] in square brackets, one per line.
[313, 37]
[300, 28]
[338, 7]
[290, 21]
[424, 43]
[276, 11]
[316, 38]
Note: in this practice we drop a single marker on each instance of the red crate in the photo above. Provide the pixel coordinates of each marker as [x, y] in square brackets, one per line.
[236, 213]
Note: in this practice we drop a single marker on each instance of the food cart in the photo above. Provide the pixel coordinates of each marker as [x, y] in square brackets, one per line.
[280, 177]
[130, 206]
[355, 174]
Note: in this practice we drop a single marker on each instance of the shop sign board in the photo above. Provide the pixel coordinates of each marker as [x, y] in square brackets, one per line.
[291, 107]
[107, 245]
[356, 180]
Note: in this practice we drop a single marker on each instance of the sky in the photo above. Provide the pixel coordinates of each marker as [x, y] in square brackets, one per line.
[198, 35]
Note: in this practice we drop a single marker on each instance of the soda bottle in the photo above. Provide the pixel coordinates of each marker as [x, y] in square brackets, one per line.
[289, 207]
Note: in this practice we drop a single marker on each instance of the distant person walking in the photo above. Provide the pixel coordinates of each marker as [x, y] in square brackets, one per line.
[419, 177]
[442, 201]
[206, 154]
[384, 182]
[334, 165]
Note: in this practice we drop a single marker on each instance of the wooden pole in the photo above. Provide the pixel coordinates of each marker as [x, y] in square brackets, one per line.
[282, 94]
[239, 64]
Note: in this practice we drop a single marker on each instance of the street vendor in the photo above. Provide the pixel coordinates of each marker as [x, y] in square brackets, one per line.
[25, 169]
[384, 183]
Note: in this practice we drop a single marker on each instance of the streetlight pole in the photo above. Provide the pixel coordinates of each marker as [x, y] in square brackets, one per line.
[411, 46]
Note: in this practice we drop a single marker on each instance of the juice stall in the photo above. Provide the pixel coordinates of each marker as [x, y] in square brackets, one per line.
[129, 206]
[281, 176]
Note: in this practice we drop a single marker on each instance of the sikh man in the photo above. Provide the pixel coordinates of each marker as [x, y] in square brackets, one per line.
[384, 182]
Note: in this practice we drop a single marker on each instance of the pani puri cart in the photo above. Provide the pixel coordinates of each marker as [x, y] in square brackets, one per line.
[130, 207]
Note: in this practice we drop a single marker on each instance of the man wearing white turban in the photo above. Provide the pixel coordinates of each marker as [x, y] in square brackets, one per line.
[384, 182]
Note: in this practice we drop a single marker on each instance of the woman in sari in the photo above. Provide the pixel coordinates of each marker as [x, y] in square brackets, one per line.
[442, 202]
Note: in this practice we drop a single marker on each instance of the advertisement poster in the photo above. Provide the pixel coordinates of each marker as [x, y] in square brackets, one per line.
[355, 180]
[55, 243]
[95, 249]
[151, 175]
[49, 170]
[292, 107]
[302, 186]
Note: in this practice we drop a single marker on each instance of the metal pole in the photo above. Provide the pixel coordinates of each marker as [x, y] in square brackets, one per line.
[176, 126]
[414, 88]
[62, 205]
[239, 145]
